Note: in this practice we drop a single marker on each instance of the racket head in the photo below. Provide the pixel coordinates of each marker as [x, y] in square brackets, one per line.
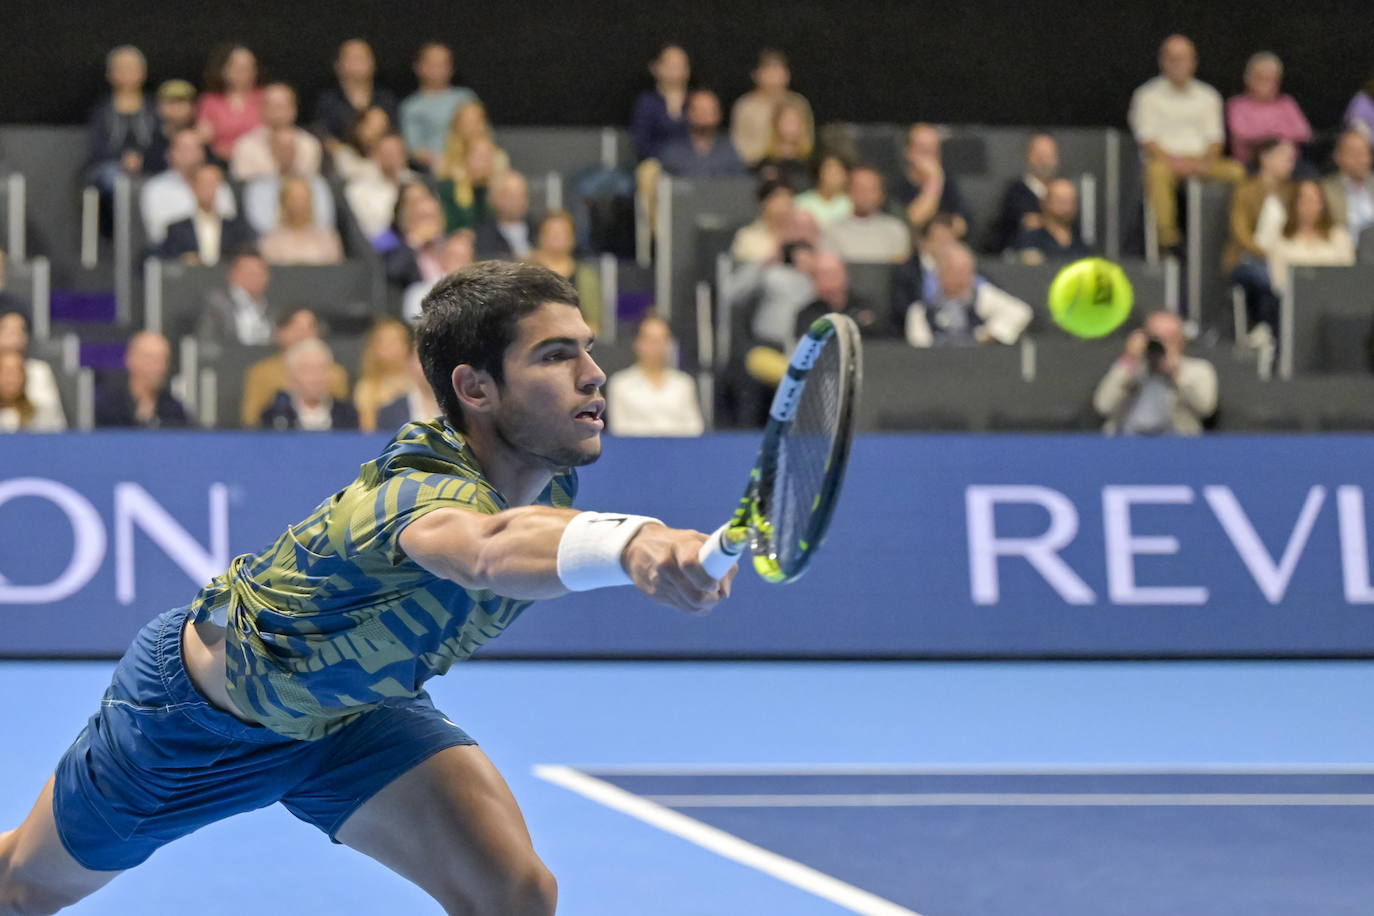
[795, 484]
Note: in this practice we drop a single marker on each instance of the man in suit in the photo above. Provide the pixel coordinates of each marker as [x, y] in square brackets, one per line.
[510, 233]
[306, 403]
[239, 313]
[267, 377]
[141, 399]
[1350, 192]
[206, 236]
[1022, 201]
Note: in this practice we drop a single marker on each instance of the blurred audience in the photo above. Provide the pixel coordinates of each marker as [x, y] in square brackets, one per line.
[1057, 236]
[426, 113]
[1153, 389]
[17, 413]
[267, 377]
[833, 296]
[828, 200]
[205, 236]
[762, 239]
[466, 195]
[1350, 192]
[916, 279]
[964, 310]
[1177, 122]
[420, 231]
[1259, 210]
[372, 194]
[787, 157]
[353, 157]
[704, 152]
[355, 68]
[122, 126]
[773, 293]
[870, 235]
[40, 391]
[1261, 112]
[1022, 202]
[455, 254]
[298, 237]
[468, 126]
[509, 231]
[238, 313]
[262, 195]
[660, 114]
[652, 398]
[1310, 237]
[231, 103]
[1359, 114]
[754, 118]
[385, 372]
[255, 155]
[176, 111]
[306, 403]
[925, 189]
[418, 402]
[555, 249]
[167, 198]
[140, 398]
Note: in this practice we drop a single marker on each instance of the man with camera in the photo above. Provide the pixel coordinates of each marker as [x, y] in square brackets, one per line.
[1153, 389]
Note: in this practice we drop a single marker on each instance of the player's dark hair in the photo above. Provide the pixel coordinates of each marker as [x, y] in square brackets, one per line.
[469, 318]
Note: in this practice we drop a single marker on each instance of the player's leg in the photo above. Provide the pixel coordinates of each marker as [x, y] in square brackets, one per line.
[452, 826]
[37, 874]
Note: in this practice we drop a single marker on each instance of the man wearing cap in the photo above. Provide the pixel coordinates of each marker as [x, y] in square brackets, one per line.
[176, 110]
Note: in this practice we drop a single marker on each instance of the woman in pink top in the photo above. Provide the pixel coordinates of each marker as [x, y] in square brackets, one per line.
[1261, 113]
[231, 104]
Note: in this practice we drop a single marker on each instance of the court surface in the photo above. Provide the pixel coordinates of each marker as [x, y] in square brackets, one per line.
[694, 789]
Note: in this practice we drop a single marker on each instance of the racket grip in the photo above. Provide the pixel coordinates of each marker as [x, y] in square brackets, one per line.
[719, 555]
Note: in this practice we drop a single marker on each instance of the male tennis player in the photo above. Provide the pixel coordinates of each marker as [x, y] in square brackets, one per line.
[297, 676]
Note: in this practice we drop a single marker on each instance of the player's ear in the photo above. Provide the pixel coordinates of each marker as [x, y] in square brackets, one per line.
[476, 389]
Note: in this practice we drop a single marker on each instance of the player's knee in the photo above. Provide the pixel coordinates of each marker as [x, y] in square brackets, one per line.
[530, 890]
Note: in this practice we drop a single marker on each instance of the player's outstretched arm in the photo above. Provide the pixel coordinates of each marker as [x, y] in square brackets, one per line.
[540, 552]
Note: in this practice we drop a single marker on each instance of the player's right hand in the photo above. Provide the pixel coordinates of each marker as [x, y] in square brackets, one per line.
[663, 564]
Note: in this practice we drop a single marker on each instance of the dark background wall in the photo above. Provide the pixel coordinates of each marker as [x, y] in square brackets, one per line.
[579, 62]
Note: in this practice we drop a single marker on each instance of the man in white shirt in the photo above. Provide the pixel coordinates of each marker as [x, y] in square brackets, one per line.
[167, 198]
[870, 236]
[1350, 192]
[963, 310]
[262, 195]
[253, 156]
[372, 195]
[1177, 120]
[651, 398]
[206, 236]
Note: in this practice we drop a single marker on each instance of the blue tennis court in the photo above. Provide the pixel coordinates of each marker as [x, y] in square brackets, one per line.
[936, 788]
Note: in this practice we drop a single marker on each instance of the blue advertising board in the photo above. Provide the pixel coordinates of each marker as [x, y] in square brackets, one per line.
[942, 546]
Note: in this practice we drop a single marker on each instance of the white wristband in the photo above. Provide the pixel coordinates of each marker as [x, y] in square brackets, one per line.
[589, 552]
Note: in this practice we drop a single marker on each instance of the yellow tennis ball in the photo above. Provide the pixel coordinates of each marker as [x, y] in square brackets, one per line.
[1091, 297]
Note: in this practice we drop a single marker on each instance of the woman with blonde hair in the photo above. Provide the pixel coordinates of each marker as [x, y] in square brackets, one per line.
[464, 193]
[297, 239]
[555, 243]
[787, 158]
[468, 125]
[386, 370]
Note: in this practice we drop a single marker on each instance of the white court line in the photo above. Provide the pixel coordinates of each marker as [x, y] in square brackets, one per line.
[978, 769]
[854, 899]
[1010, 799]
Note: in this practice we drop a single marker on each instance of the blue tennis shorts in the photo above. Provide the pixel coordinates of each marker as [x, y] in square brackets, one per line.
[158, 761]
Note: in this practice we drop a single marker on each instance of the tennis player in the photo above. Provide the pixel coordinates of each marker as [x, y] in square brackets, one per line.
[298, 675]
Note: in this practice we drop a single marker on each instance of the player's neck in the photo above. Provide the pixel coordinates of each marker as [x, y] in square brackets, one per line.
[516, 476]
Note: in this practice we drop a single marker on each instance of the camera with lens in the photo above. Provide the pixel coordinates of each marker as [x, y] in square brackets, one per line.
[1154, 354]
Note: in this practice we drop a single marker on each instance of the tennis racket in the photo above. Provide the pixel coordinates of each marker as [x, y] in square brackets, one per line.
[796, 479]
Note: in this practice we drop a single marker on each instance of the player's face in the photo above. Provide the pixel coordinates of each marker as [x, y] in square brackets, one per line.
[550, 401]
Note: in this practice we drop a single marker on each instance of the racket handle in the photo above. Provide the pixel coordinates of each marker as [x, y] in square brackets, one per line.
[719, 554]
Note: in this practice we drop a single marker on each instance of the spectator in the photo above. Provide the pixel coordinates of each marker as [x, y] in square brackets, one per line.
[1350, 192]
[833, 296]
[925, 189]
[1261, 112]
[307, 404]
[787, 157]
[761, 240]
[870, 236]
[753, 119]
[353, 158]
[386, 370]
[1022, 202]
[1310, 237]
[167, 198]
[468, 127]
[420, 231]
[17, 413]
[704, 152]
[298, 237]
[122, 127]
[916, 279]
[466, 196]
[509, 232]
[1057, 238]
[253, 153]
[1258, 215]
[418, 403]
[231, 104]
[176, 111]
[9, 302]
[426, 113]
[1153, 389]
[555, 249]
[40, 385]
[240, 312]
[392, 236]
[659, 116]
[265, 378]
[455, 254]
[829, 200]
[141, 398]
[372, 195]
[205, 236]
[964, 310]
[776, 292]
[355, 68]
[262, 195]
[651, 398]
[1176, 120]
[1359, 114]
